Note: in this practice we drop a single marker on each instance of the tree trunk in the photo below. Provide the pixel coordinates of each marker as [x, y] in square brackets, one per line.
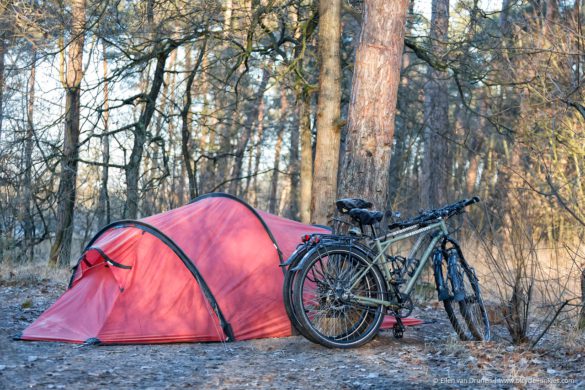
[581, 324]
[104, 212]
[208, 137]
[376, 79]
[151, 160]
[251, 117]
[294, 169]
[273, 203]
[61, 248]
[399, 162]
[475, 148]
[2, 70]
[306, 157]
[225, 128]
[577, 42]
[436, 167]
[186, 119]
[133, 166]
[551, 12]
[228, 132]
[471, 176]
[28, 221]
[245, 191]
[328, 113]
[302, 169]
[186, 123]
[169, 193]
[258, 145]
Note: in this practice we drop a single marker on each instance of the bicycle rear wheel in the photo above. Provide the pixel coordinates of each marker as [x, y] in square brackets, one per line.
[326, 305]
[287, 292]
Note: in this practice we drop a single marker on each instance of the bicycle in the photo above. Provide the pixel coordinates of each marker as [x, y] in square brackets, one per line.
[339, 287]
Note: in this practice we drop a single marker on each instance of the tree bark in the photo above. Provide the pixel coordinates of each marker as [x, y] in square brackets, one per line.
[474, 157]
[186, 123]
[251, 117]
[273, 203]
[2, 76]
[302, 169]
[372, 110]
[152, 165]
[133, 166]
[294, 169]
[306, 158]
[206, 167]
[170, 192]
[399, 162]
[227, 108]
[578, 44]
[581, 323]
[28, 220]
[61, 248]
[258, 145]
[104, 212]
[328, 113]
[436, 168]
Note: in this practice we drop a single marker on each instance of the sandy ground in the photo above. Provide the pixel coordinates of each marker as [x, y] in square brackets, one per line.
[427, 356]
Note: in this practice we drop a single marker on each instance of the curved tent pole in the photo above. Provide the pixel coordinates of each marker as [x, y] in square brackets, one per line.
[227, 329]
[252, 209]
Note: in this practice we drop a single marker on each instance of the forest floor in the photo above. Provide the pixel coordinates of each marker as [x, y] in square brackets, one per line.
[428, 356]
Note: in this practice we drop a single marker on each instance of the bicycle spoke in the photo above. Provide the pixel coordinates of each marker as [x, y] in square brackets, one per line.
[323, 293]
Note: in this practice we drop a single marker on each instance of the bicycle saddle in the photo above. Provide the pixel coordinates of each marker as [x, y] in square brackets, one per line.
[345, 205]
[366, 217]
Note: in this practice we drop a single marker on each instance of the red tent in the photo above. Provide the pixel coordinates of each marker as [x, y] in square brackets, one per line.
[207, 271]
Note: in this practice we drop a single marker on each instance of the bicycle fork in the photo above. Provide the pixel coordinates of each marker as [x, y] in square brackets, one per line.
[452, 276]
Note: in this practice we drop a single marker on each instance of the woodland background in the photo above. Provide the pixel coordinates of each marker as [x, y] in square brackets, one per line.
[121, 109]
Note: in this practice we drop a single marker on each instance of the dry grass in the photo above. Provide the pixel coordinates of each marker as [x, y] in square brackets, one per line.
[32, 273]
[528, 276]
[524, 276]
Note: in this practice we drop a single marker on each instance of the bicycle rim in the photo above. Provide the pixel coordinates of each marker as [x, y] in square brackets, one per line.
[332, 318]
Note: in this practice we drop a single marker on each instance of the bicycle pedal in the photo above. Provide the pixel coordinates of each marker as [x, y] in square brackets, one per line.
[398, 331]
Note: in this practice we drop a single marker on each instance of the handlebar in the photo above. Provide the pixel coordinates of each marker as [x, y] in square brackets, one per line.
[457, 206]
[443, 212]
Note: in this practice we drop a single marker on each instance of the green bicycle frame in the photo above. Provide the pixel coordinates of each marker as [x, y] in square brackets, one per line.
[382, 245]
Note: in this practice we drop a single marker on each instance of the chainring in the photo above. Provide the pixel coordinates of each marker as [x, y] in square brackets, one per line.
[406, 307]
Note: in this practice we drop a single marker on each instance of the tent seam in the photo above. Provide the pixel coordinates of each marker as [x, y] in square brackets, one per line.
[111, 308]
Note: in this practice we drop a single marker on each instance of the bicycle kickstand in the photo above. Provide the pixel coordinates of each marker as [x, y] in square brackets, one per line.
[398, 328]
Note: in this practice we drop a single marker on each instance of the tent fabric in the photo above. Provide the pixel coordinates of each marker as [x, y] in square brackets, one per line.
[207, 271]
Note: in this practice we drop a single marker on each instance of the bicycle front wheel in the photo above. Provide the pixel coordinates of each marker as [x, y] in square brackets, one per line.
[331, 293]
[453, 310]
[472, 307]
